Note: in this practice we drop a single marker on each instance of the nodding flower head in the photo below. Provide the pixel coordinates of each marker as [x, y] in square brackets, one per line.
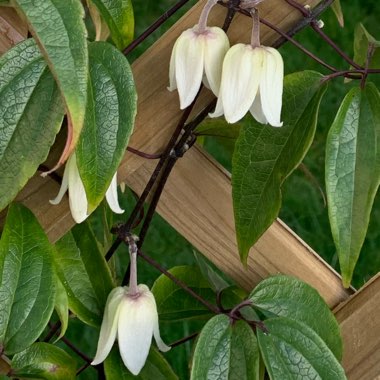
[132, 319]
[77, 195]
[252, 80]
[198, 56]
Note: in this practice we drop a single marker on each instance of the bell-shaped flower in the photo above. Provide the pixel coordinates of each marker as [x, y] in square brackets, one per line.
[132, 319]
[197, 55]
[77, 195]
[252, 80]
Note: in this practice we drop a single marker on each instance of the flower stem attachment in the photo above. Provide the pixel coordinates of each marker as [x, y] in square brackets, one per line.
[202, 24]
[255, 37]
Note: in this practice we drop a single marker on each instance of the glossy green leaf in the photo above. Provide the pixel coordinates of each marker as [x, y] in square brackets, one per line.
[174, 303]
[31, 115]
[59, 28]
[265, 156]
[337, 8]
[156, 368]
[292, 350]
[226, 351]
[362, 42]
[218, 128]
[110, 116]
[44, 361]
[84, 274]
[353, 173]
[61, 306]
[289, 297]
[118, 14]
[27, 288]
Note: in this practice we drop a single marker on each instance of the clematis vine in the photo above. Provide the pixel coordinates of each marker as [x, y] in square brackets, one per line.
[198, 56]
[77, 195]
[252, 80]
[131, 317]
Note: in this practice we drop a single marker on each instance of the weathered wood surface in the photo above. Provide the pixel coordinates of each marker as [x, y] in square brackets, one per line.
[197, 201]
[360, 324]
[12, 29]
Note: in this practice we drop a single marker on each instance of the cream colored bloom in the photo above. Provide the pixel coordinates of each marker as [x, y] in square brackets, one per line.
[252, 80]
[77, 196]
[196, 56]
[133, 320]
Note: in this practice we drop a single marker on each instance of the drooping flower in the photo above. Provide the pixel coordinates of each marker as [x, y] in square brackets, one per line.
[132, 319]
[252, 80]
[77, 195]
[198, 56]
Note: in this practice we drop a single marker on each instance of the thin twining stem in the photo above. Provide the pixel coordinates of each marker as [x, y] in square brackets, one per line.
[315, 26]
[140, 39]
[178, 282]
[139, 153]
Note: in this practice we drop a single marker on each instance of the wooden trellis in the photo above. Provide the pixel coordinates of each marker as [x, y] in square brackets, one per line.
[197, 199]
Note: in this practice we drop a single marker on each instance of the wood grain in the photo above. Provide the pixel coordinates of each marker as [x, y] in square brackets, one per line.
[360, 324]
[198, 199]
[12, 29]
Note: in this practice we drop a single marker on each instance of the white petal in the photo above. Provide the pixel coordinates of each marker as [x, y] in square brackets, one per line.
[257, 110]
[218, 109]
[160, 343]
[172, 80]
[271, 86]
[77, 193]
[108, 329]
[189, 64]
[136, 323]
[111, 196]
[63, 188]
[242, 69]
[216, 47]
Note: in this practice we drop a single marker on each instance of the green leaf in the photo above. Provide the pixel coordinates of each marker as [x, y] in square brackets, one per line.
[31, 115]
[226, 351]
[218, 128]
[110, 116]
[59, 29]
[265, 156]
[118, 14]
[353, 173]
[292, 350]
[289, 297]
[156, 368]
[362, 42]
[61, 306]
[27, 290]
[174, 303]
[84, 274]
[216, 279]
[44, 361]
[337, 8]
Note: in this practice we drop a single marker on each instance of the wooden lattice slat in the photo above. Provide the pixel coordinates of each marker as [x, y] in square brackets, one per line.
[360, 324]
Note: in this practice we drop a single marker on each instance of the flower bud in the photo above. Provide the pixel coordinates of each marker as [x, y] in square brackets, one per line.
[133, 319]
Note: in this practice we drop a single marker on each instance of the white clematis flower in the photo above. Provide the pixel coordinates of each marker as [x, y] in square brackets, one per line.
[252, 80]
[196, 57]
[77, 196]
[133, 320]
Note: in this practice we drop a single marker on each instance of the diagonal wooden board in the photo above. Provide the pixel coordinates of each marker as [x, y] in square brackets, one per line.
[360, 324]
[12, 29]
[197, 201]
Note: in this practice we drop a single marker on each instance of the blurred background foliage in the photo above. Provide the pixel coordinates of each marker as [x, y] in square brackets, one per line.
[303, 209]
